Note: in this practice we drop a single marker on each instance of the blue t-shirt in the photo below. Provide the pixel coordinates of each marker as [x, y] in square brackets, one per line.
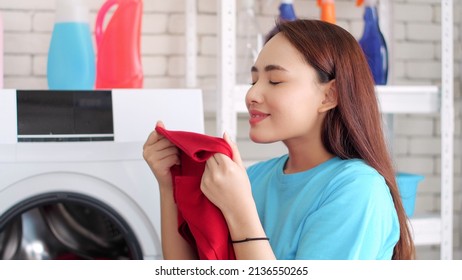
[340, 209]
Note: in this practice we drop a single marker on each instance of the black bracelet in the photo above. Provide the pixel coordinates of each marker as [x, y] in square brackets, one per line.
[250, 239]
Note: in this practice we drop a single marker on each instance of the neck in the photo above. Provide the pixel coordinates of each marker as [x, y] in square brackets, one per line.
[304, 155]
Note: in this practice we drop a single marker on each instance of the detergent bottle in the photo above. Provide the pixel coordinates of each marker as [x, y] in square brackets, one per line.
[327, 10]
[373, 43]
[71, 57]
[118, 63]
[286, 10]
[286, 13]
[249, 41]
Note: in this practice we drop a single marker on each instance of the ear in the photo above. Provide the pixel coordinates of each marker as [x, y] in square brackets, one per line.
[330, 97]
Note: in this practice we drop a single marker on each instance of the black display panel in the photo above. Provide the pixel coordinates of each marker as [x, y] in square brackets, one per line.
[65, 112]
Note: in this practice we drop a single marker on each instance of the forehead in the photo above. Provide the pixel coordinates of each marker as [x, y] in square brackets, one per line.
[279, 51]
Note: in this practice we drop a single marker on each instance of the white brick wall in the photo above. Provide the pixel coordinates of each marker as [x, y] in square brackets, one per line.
[408, 12]
[416, 53]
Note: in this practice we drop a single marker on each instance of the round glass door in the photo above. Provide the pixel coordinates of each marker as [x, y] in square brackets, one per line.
[59, 226]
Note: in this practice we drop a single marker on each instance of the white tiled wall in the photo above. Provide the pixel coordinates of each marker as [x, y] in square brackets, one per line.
[416, 60]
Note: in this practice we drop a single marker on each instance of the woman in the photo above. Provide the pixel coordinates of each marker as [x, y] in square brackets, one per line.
[334, 195]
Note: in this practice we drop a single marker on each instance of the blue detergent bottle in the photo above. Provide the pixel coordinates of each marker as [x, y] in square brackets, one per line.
[71, 57]
[286, 13]
[286, 10]
[373, 43]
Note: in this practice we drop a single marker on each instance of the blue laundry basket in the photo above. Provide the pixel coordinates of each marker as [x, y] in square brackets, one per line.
[407, 185]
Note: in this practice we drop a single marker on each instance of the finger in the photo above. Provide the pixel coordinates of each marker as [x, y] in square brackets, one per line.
[167, 152]
[236, 155]
[153, 138]
[163, 167]
[153, 133]
[160, 124]
[225, 163]
[158, 146]
[222, 159]
[153, 154]
[163, 143]
[215, 158]
[171, 160]
[167, 160]
[211, 163]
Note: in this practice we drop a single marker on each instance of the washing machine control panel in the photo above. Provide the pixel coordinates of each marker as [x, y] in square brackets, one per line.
[117, 115]
[55, 116]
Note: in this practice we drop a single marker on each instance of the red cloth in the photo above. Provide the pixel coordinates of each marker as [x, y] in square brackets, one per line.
[200, 222]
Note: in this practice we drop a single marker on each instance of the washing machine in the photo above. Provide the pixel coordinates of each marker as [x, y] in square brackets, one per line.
[73, 182]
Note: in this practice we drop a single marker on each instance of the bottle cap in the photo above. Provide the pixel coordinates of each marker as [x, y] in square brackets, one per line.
[71, 11]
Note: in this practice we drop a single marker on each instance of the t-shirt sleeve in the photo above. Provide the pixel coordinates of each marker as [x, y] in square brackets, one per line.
[355, 219]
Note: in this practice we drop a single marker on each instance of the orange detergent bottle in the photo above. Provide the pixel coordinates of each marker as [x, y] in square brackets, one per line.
[327, 10]
[118, 62]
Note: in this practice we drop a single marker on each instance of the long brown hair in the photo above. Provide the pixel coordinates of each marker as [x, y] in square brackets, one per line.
[353, 129]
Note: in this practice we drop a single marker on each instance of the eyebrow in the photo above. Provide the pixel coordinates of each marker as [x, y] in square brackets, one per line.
[268, 68]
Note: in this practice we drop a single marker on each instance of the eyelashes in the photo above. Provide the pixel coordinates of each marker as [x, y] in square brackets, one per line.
[270, 82]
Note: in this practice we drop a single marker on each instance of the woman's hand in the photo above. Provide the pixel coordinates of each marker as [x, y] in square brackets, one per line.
[161, 155]
[225, 182]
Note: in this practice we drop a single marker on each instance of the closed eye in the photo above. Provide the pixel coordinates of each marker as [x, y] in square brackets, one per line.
[271, 82]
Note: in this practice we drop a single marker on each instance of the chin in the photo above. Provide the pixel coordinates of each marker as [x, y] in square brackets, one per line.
[261, 139]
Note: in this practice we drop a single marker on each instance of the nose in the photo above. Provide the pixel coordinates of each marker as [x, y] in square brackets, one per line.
[253, 95]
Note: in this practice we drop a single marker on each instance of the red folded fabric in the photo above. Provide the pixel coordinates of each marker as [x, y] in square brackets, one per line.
[200, 222]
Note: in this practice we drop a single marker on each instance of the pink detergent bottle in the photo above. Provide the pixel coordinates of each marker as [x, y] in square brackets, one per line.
[118, 62]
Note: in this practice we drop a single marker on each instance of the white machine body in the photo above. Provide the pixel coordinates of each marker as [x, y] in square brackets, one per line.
[96, 161]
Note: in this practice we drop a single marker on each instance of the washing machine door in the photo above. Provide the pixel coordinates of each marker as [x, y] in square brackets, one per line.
[66, 226]
[49, 221]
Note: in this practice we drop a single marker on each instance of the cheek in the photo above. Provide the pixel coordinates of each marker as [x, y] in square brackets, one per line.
[300, 112]
[299, 104]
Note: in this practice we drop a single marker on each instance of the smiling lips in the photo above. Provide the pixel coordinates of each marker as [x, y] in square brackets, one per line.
[256, 116]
